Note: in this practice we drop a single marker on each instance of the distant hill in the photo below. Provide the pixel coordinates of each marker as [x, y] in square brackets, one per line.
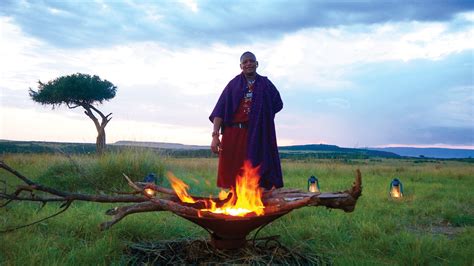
[332, 151]
[322, 151]
[441, 153]
[297, 151]
[10, 146]
[161, 145]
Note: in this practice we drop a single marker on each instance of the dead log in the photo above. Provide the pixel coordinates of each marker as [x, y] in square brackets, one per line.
[276, 201]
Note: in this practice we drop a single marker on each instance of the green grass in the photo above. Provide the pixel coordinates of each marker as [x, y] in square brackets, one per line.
[432, 224]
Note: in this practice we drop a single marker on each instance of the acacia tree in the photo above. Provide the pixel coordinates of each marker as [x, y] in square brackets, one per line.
[79, 90]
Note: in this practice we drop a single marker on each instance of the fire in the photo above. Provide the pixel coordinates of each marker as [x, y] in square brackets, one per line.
[180, 188]
[246, 196]
[223, 194]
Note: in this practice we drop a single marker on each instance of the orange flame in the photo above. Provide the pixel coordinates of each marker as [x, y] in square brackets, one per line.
[248, 193]
[246, 197]
[180, 188]
[223, 194]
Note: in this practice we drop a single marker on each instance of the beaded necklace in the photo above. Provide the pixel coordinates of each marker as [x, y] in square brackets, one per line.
[248, 96]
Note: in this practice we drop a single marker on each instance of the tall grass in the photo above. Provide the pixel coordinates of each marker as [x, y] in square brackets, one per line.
[90, 172]
[432, 224]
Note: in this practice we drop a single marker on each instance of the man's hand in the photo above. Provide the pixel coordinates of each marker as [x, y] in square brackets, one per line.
[216, 142]
[215, 145]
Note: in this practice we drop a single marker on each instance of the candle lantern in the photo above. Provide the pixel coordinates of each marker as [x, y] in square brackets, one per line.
[396, 189]
[313, 184]
[149, 190]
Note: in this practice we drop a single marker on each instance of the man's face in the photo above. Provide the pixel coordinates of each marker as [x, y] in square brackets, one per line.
[249, 65]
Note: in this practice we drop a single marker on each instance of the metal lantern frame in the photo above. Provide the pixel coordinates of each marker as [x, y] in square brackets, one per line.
[394, 184]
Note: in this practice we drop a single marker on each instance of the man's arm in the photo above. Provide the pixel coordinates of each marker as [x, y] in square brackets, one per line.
[215, 144]
[277, 103]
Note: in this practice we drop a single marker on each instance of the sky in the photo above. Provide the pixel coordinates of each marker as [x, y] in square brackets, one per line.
[350, 73]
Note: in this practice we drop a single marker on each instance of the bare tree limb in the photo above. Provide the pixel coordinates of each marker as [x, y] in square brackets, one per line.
[275, 201]
[72, 106]
[16, 173]
[64, 208]
[91, 115]
[130, 183]
[120, 212]
[67, 196]
[99, 112]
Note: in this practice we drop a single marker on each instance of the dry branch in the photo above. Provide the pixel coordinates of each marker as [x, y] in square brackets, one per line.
[275, 200]
[119, 213]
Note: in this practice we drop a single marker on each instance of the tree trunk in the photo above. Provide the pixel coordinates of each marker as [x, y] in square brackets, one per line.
[100, 142]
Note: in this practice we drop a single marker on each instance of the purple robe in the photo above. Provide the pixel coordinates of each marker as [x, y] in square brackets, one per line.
[262, 149]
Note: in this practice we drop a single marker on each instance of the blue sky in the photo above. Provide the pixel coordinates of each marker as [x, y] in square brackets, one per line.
[351, 73]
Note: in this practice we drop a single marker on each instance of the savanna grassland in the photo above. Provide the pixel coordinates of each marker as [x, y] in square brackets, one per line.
[433, 224]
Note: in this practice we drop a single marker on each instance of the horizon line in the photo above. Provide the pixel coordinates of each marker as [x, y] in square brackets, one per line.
[392, 145]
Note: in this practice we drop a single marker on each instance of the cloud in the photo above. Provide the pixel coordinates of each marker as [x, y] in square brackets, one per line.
[456, 107]
[445, 135]
[336, 102]
[99, 23]
[382, 83]
[191, 4]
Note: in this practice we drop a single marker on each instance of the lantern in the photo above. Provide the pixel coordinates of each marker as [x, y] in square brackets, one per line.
[149, 190]
[150, 178]
[396, 189]
[313, 184]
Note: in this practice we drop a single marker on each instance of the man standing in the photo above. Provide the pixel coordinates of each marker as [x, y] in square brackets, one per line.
[245, 115]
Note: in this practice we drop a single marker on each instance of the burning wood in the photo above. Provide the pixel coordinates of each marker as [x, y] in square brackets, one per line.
[229, 218]
[244, 199]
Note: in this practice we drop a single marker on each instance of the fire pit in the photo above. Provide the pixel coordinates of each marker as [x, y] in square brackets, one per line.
[232, 216]
[228, 218]
[231, 232]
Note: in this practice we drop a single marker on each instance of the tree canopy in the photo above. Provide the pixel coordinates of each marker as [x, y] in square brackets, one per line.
[76, 89]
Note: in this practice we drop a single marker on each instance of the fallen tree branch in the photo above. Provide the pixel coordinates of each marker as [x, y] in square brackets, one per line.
[64, 207]
[276, 201]
[119, 213]
[56, 196]
[66, 196]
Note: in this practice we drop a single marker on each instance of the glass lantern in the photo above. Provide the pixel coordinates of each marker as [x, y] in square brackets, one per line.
[313, 184]
[396, 189]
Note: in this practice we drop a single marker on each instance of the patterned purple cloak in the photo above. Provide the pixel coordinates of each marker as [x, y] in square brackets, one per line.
[262, 149]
